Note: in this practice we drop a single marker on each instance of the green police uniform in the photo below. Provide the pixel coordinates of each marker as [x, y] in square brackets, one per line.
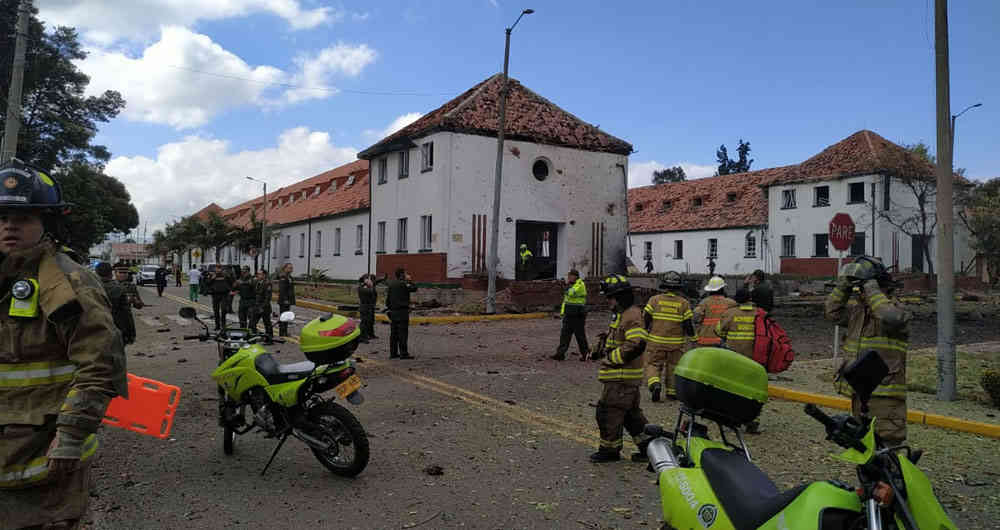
[262, 306]
[248, 298]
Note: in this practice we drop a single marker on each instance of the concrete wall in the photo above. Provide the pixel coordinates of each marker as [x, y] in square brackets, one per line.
[732, 257]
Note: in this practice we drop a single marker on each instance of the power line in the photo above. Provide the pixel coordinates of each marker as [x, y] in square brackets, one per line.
[317, 88]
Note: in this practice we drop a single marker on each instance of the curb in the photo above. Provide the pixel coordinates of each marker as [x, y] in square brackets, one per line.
[912, 416]
[429, 320]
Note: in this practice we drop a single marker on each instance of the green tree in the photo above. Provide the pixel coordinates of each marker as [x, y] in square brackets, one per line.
[217, 234]
[729, 166]
[670, 174]
[101, 205]
[980, 213]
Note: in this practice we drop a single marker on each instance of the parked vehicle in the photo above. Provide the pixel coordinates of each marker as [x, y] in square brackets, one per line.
[147, 274]
[712, 484]
[283, 400]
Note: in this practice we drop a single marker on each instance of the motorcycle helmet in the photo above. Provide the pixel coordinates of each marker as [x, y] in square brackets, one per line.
[330, 338]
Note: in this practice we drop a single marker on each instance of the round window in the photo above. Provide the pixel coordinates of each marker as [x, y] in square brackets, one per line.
[540, 169]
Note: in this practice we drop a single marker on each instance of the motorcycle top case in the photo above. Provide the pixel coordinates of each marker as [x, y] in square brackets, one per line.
[329, 339]
[721, 385]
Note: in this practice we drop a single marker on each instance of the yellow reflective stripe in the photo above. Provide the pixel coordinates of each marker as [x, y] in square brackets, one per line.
[38, 469]
[615, 356]
[664, 340]
[612, 444]
[648, 309]
[688, 314]
[635, 333]
[35, 374]
[619, 373]
[652, 380]
[896, 391]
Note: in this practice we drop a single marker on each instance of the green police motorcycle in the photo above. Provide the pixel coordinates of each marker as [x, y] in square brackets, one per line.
[713, 484]
[285, 400]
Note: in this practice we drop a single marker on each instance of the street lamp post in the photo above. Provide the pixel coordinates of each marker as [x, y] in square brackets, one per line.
[953, 118]
[263, 226]
[491, 293]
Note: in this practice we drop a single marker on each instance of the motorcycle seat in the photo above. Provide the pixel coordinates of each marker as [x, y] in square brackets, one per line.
[276, 373]
[747, 494]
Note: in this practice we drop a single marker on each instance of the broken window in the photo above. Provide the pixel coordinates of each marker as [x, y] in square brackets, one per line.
[751, 246]
[427, 156]
[713, 248]
[787, 199]
[855, 192]
[821, 196]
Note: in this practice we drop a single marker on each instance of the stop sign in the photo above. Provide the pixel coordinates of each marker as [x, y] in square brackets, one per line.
[841, 231]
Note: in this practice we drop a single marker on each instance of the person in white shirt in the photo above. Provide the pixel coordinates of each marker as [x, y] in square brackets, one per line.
[194, 280]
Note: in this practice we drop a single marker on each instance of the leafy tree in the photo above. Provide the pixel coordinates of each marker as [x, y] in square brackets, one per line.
[729, 166]
[980, 213]
[670, 174]
[217, 234]
[101, 205]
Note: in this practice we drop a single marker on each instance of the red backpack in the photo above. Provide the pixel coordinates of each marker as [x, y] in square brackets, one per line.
[771, 347]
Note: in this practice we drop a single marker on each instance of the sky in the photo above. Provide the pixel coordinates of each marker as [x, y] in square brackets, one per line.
[281, 90]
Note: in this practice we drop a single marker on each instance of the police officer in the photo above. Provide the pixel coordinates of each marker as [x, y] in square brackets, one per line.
[120, 307]
[710, 311]
[760, 291]
[874, 322]
[367, 297]
[398, 302]
[262, 304]
[286, 295]
[248, 296]
[61, 356]
[220, 285]
[668, 318]
[133, 300]
[161, 280]
[525, 258]
[574, 315]
[621, 374]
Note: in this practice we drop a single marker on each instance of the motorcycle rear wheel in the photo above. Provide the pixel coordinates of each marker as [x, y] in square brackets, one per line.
[349, 456]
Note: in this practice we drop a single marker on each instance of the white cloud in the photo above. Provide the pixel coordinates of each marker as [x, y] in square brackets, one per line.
[316, 70]
[397, 124]
[641, 173]
[189, 174]
[106, 21]
[185, 79]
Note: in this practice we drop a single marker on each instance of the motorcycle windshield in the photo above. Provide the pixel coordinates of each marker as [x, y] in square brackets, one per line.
[853, 456]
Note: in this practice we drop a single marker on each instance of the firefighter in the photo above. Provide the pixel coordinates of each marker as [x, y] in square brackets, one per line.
[737, 329]
[262, 305]
[248, 297]
[668, 318]
[710, 311]
[61, 357]
[874, 322]
[574, 315]
[621, 374]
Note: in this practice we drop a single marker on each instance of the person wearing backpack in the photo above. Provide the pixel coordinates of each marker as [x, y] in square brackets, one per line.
[874, 322]
[737, 328]
[709, 312]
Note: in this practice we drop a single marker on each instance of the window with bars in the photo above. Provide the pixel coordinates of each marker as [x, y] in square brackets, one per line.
[427, 156]
[788, 246]
[404, 164]
[360, 243]
[787, 199]
[380, 238]
[382, 179]
[713, 248]
[425, 233]
[336, 241]
[678, 249]
[318, 250]
[821, 196]
[821, 246]
[647, 250]
[401, 235]
[302, 245]
[751, 246]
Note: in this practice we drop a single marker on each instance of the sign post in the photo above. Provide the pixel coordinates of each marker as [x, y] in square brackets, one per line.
[841, 235]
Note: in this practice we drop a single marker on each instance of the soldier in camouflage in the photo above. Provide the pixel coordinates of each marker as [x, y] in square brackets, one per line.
[61, 357]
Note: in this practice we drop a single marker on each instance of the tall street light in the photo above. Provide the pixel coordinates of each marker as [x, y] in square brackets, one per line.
[953, 118]
[491, 293]
[263, 226]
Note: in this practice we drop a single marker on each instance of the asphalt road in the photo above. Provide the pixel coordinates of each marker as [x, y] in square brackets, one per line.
[511, 432]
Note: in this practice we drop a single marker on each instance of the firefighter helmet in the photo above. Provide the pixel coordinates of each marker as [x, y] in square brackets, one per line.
[715, 283]
[25, 187]
[671, 280]
[614, 284]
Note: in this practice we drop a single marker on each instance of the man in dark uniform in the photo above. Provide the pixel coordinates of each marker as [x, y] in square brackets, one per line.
[248, 297]
[220, 286]
[262, 304]
[398, 302]
[760, 290]
[161, 280]
[120, 307]
[133, 301]
[61, 358]
[286, 295]
[367, 297]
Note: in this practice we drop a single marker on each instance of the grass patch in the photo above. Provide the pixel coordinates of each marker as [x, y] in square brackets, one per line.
[922, 374]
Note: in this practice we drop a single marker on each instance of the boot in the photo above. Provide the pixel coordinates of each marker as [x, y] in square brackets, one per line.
[753, 428]
[654, 390]
[558, 357]
[605, 455]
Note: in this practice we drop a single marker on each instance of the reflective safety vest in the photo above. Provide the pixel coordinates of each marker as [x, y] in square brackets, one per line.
[669, 311]
[625, 333]
[710, 311]
[575, 298]
[525, 255]
[738, 328]
[37, 469]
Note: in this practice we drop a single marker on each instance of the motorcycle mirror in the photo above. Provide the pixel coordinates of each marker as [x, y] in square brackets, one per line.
[865, 374]
[188, 312]
[287, 316]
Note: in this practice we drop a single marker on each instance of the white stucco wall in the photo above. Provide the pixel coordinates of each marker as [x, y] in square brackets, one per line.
[581, 187]
[348, 265]
[806, 220]
[732, 257]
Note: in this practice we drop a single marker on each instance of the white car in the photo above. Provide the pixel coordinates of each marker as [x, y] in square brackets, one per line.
[147, 274]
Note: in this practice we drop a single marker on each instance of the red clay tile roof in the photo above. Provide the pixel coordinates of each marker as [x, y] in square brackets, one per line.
[862, 153]
[203, 213]
[749, 206]
[530, 117]
[308, 204]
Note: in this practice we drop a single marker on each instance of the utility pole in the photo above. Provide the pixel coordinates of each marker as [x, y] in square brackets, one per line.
[946, 390]
[13, 123]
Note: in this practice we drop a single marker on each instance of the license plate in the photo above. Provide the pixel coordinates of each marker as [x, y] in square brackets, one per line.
[348, 387]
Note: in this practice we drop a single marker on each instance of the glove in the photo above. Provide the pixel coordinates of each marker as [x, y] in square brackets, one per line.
[65, 452]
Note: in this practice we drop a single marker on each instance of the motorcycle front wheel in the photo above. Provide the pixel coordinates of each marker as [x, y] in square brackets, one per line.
[349, 451]
[228, 434]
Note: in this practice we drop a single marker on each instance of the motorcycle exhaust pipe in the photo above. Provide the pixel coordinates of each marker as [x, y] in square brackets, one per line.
[661, 456]
[311, 441]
